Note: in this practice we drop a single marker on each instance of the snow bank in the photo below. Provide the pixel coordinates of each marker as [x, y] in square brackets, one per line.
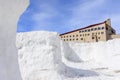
[105, 53]
[43, 56]
[39, 55]
[10, 10]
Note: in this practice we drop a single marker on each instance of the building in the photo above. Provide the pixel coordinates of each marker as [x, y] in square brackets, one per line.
[92, 33]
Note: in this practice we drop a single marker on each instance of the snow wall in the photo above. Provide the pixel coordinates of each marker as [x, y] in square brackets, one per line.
[10, 11]
[41, 56]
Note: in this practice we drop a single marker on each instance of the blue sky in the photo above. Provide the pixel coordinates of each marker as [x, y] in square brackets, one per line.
[67, 15]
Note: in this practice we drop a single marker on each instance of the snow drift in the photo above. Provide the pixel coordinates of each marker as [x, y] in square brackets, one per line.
[43, 56]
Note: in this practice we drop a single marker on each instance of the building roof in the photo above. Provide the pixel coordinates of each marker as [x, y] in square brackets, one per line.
[84, 28]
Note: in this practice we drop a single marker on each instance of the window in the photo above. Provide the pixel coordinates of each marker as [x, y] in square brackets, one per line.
[88, 30]
[73, 39]
[81, 38]
[95, 28]
[64, 39]
[70, 35]
[83, 34]
[64, 36]
[70, 39]
[80, 34]
[92, 29]
[92, 33]
[79, 31]
[92, 37]
[77, 39]
[98, 28]
[82, 31]
[67, 40]
[61, 37]
[88, 34]
[98, 37]
[76, 35]
[85, 30]
[102, 32]
[102, 27]
[73, 35]
[98, 32]
[106, 28]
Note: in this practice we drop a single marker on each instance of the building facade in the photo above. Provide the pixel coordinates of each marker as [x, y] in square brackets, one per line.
[92, 33]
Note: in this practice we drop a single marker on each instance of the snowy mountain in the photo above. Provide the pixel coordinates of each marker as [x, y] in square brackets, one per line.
[43, 56]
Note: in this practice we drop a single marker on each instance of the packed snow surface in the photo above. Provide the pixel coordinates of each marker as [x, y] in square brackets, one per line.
[10, 11]
[44, 56]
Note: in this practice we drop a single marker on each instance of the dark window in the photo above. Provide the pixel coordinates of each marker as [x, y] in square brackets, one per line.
[73, 39]
[92, 33]
[82, 31]
[79, 31]
[70, 39]
[106, 28]
[102, 27]
[77, 39]
[98, 32]
[70, 35]
[92, 37]
[85, 30]
[64, 36]
[88, 34]
[102, 32]
[81, 38]
[67, 40]
[92, 29]
[98, 28]
[80, 34]
[64, 39]
[76, 35]
[112, 31]
[95, 28]
[98, 37]
[83, 34]
[73, 35]
[88, 30]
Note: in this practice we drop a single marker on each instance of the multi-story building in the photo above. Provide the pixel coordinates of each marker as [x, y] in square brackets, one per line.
[92, 33]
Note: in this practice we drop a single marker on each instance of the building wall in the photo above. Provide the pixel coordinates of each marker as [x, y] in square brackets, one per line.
[115, 36]
[92, 34]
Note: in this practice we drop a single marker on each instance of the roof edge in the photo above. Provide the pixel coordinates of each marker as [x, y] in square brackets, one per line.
[83, 28]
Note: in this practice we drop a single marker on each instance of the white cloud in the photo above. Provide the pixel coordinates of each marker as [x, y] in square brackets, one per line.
[42, 17]
[84, 12]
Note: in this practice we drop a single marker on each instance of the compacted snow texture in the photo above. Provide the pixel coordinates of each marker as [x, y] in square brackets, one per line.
[10, 11]
[44, 56]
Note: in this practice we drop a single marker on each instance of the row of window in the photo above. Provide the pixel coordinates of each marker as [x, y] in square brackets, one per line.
[71, 39]
[92, 29]
[83, 35]
[77, 39]
[70, 36]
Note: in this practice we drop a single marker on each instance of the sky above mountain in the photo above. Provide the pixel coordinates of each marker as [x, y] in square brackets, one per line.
[66, 15]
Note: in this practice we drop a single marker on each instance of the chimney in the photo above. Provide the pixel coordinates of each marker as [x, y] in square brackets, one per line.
[108, 22]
